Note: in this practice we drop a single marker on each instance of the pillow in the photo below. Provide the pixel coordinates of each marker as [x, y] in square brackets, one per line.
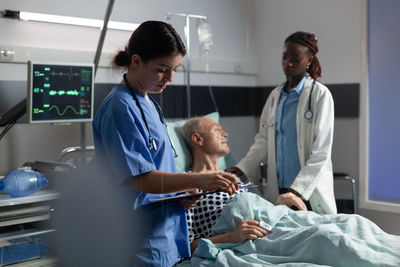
[184, 159]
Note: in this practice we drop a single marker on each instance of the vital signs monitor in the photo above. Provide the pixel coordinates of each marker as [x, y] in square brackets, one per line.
[60, 93]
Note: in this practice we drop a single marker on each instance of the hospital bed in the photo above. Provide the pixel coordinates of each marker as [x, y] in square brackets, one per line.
[345, 193]
[298, 238]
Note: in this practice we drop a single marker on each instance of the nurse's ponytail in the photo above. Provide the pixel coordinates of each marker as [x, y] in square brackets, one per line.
[310, 41]
[121, 59]
[152, 39]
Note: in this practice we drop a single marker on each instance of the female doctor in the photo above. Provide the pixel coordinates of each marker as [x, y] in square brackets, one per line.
[133, 145]
[296, 132]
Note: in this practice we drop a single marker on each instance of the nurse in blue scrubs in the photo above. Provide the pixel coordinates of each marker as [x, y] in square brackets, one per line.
[132, 144]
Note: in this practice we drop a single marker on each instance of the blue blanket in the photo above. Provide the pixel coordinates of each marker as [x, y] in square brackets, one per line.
[298, 238]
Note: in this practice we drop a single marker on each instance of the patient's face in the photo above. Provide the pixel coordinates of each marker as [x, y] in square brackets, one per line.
[214, 136]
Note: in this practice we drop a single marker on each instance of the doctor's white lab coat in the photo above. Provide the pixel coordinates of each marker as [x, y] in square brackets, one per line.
[314, 143]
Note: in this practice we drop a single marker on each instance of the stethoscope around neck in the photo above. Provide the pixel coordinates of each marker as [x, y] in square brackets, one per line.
[308, 115]
[152, 144]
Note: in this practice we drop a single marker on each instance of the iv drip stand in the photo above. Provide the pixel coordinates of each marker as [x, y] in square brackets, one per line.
[187, 65]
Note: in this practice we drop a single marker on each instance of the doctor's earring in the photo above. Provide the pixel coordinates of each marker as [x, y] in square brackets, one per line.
[308, 65]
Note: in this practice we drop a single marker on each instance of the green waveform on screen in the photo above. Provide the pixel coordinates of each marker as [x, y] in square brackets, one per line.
[65, 110]
[85, 75]
[69, 74]
[62, 92]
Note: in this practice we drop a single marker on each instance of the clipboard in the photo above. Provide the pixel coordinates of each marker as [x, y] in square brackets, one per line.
[188, 195]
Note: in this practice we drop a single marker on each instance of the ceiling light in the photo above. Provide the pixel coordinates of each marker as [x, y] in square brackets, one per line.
[97, 23]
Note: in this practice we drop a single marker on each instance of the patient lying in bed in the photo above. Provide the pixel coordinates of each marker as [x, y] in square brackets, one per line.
[225, 230]
[207, 142]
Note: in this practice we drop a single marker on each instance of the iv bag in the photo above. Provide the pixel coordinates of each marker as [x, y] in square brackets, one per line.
[205, 36]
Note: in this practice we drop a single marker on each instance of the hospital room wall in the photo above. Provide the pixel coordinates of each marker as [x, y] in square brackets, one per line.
[62, 43]
[340, 55]
[234, 49]
[248, 36]
[341, 28]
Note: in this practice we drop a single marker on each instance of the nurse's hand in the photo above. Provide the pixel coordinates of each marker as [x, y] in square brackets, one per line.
[189, 203]
[218, 181]
[290, 199]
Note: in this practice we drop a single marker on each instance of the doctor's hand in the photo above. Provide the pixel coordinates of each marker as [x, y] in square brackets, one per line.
[238, 172]
[247, 229]
[217, 181]
[188, 203]
[290, 199]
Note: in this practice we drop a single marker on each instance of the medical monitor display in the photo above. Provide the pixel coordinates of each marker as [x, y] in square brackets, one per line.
[60, 93]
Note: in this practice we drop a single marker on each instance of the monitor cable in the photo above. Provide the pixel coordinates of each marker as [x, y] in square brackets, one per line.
[6, 129]
[9, 117]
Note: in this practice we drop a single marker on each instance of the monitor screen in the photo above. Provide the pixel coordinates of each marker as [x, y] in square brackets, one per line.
[60, 93]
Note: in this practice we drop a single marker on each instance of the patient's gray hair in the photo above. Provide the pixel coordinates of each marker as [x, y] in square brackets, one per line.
[191, 126]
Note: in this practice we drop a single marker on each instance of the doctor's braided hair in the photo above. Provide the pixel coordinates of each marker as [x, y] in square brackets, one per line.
[152, 39]
[310, 41]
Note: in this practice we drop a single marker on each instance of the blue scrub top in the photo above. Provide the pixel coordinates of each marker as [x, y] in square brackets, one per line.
[287, 155]
[121, 142]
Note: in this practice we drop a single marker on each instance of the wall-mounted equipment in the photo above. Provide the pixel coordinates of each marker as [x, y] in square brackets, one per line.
[60, 93]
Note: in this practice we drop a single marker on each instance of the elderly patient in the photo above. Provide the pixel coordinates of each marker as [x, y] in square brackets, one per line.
[207, 142]
[298, 238]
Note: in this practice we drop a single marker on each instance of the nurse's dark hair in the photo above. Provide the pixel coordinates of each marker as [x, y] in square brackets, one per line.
[152, 39]
[310, 41]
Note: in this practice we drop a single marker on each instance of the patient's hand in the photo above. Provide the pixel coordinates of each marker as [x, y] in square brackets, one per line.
[238, 172]
[247, 229]
[290, 199]
[188, 203]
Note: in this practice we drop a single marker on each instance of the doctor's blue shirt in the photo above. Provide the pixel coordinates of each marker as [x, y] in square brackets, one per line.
[287, 156]
[121, 143]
